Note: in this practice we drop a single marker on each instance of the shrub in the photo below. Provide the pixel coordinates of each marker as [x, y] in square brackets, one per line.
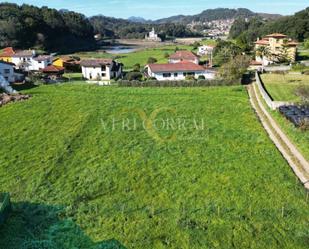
[201, 77]
[306, 72]
[137, 67]
[190, 77]
[303, 93]
[151, 60]
[166, 55]
[306, 44]
[134, 76]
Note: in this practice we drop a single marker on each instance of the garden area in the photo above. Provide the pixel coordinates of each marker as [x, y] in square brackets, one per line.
[282, 87]
[83, 174]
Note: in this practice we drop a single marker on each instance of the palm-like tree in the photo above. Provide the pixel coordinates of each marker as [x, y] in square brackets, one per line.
[263, 51]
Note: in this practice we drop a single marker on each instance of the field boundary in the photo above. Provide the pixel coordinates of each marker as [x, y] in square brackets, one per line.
[266, 96]
[288, 150]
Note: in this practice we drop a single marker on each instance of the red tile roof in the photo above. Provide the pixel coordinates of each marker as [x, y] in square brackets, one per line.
[42, 57]
[262, 42]
[255, 63]
[96, 62]
[183, 55]
[277, 35]
[7, 52]
[176, 67]
[53, 69]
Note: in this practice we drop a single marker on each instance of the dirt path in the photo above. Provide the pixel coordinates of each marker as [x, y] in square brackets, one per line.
[289, 151]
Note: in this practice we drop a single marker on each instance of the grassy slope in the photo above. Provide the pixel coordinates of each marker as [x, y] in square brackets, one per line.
[282, 87]
[223, 187]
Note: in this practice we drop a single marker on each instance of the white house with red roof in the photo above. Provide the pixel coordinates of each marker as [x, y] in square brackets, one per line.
[178, 71]
[184, 55]
[101, 69]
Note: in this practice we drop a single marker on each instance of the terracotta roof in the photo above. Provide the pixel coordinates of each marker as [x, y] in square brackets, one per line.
[176, 67]
[96, 62]
[42, 57]
[262, 42]
[24, 53]
[255, 63]
[292, 43]
[53, 69]
[277, 35]
[7, 52]
[184, 55]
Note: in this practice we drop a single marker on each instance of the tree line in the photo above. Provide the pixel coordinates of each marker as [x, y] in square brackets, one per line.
[27, 26]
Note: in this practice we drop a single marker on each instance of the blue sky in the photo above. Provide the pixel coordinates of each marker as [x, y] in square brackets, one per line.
[155, 9]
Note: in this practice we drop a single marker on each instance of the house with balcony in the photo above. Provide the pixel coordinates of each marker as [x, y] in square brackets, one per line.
[101, 69]
[275, 48]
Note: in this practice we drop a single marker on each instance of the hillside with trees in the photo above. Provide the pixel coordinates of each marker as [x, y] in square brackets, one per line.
[120, 28]
[296, 27]
[27, 26]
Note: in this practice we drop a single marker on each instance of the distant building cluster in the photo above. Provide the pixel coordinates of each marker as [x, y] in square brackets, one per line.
[215, 28]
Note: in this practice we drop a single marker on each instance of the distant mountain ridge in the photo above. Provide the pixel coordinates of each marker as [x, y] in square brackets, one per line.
[210, 15]
[138, 19]
[207, 16]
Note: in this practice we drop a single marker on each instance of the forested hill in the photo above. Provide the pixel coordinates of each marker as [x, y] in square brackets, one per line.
[121, 28]
[209, 15]
[27, 26]
[295, 26]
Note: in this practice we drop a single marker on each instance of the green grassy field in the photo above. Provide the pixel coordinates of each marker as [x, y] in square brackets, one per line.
[138, 57]
[78, 179]
[282, 87]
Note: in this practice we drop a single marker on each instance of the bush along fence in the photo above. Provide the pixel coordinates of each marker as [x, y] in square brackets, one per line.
[184, 83]
[5, 207]
[268, 99]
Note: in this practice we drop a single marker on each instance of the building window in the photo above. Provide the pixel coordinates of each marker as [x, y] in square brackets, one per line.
[90, 76]
[103, 68]
[167, 75]
[189, 74]
[6, 78]
[103, 74]
[7, 71]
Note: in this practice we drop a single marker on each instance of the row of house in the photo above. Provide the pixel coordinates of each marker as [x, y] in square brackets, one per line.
[15, 64]
[180, 66]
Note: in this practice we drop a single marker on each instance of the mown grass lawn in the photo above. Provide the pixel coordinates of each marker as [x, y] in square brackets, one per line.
[77, 181]
[282, 86]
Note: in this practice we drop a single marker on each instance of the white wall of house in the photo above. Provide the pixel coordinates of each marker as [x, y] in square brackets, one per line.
[22, 62]
[97, 73]
[7, 71]
[37, 65]
[181, 75]
[264, 60]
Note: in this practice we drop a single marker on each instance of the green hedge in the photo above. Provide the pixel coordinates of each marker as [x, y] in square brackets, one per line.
[184, 83]
[5, 206]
